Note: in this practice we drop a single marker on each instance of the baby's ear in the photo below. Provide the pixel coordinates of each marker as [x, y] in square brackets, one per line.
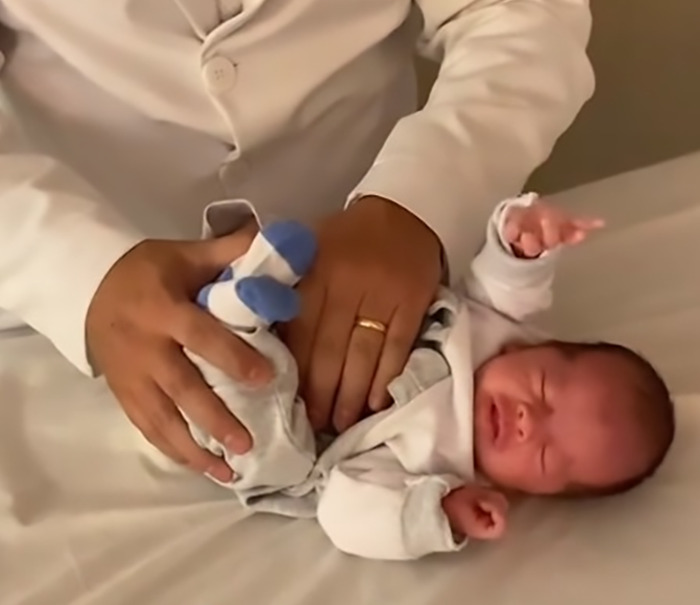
[294, 242]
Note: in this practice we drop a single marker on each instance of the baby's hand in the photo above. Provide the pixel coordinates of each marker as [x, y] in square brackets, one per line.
[534, 229]
[476, 512]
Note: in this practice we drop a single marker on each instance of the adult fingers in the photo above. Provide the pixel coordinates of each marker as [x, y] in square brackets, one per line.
[183, 385]
[205, 336]
[132, 406]
[160, 422]
[401, 335]
[211, 256]
[364, 350]
[163, 445]
[328, 357]
[299, 335]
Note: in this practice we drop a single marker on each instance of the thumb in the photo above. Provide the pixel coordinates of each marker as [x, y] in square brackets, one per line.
[209, 257]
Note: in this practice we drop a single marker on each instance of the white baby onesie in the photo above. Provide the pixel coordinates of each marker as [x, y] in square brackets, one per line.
[377, 489]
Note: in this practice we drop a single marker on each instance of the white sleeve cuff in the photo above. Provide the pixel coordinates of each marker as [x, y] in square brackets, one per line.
[56, 250]
[372, 508]
[497, 257]
[426, 528]
[517, 287]
[58, 240]
[57, 306]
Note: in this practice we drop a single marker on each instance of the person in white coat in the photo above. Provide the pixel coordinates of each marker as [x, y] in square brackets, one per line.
[120, 121]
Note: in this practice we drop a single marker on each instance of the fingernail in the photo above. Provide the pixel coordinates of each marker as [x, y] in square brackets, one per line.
[376, 403]
[220, 474]
[237, 444]
[343, 422]
[231, 444]
[317, 421]
[259, 375]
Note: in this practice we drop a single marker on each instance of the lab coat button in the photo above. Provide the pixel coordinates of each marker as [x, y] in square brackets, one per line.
[219, 74]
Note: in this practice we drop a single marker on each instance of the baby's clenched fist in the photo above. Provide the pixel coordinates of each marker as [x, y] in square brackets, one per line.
[476, 512]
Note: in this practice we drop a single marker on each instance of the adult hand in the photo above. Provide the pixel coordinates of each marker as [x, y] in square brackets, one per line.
[375, 261]
[140, 319]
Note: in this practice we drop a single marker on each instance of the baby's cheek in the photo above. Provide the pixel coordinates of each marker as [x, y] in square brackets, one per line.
[499, 467]
[514, 469]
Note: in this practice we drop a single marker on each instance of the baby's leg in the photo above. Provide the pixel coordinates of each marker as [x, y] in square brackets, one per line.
[283, 452]
[256, 292]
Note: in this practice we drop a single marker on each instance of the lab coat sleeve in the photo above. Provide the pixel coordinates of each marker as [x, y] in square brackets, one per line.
[58, 240]
[372, 508]
[513, 75]
[517, 287]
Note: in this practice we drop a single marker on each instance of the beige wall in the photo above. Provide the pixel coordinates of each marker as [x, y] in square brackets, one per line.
[646, 54]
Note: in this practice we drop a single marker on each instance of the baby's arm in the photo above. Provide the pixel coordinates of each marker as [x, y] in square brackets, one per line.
[372, 508]
[514, 271]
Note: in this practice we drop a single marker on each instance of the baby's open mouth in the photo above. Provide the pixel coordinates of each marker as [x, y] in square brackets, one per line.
[495, 418]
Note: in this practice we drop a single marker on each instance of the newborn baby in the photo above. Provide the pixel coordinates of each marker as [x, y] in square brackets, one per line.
[485, 405]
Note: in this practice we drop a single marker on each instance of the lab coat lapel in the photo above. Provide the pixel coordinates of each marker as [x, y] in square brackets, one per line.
[203, 15]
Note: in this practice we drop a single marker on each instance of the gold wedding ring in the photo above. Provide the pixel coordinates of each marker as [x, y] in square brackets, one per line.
[371, 324]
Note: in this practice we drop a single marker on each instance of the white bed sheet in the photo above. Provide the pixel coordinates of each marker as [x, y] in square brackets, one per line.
[91, 515]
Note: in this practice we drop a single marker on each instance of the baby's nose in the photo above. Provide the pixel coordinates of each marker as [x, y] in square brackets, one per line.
[524, 423]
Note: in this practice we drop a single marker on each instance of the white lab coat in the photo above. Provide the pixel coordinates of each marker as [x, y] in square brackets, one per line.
[137, 113]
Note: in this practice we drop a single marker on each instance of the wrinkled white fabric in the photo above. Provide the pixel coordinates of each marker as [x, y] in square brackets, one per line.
[138, 113]
[90, 514]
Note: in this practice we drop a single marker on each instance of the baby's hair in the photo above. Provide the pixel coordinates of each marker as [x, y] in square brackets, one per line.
[653, 409]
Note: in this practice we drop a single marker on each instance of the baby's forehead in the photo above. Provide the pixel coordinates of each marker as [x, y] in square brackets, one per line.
[603, 389]
[607, 452]
[609, 437]
[605, 375]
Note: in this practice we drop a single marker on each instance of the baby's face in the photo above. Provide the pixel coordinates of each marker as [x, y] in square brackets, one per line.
[544, 421]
